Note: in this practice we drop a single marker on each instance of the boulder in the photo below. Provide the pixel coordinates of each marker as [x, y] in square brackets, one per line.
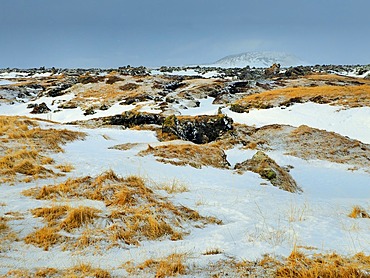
[268, 169]
[130, 119]
[59, 90]
[297, 71]
[273, 70]
[198, 129]
[40, 109]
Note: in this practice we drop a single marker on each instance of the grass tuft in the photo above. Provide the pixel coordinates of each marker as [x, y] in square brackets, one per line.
[189, 154]
[358, 212]
[79, 216]
[44, 238]
[170, 266]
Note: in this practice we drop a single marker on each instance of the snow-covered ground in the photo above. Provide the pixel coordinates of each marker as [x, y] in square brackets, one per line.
[5, 82]
[257, 217]
[354, 122]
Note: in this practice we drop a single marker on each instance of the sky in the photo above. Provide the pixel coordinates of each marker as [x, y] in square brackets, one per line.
[114, 33]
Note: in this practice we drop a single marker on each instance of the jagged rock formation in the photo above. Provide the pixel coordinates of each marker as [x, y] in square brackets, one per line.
[273, 70]
[41, 108]
[199, 129]
[130, 119]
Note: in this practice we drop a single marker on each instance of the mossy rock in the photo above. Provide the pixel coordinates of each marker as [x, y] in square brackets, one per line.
[268, 169]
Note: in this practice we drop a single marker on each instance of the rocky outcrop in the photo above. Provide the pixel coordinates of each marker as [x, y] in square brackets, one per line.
[273, 70]
[59, 90]
[297, 71]
[130, 119]
[198, 129]
[268, 169]
[41, 108]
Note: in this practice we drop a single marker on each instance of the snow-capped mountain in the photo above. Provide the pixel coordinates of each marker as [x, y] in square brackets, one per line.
[259, 60]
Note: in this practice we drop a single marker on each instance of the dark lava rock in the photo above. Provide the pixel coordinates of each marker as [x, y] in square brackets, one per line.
[273, 70]
[173, 85]
[130, 119]
[59, 90]
[31, 105]
[198, 129]
[40, 109]
[89, 111]
[297, 71]
[268, 169]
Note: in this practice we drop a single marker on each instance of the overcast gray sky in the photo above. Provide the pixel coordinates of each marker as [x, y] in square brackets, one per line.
[113, 33]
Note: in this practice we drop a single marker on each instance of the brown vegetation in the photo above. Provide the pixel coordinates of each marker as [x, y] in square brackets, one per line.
[167, 267]
[351, 96]
[359, 212]
[23, 148]
[296, 265]
[7, 236]
[189, 154]
[303, 142]
[135, 212]
[44, 237]
[319, 265]
[80, 270]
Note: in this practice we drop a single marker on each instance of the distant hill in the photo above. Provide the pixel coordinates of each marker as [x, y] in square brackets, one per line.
[259, 60]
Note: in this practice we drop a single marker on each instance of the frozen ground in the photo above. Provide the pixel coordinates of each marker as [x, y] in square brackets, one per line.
[257, 217]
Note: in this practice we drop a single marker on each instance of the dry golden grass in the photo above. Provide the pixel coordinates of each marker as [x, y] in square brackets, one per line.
[50, 214]
[173, 187]
[170, 266]
[78, 271]
[330, 266]
[57, 218]
[352, 96]
[334, 77]
[7, 236]
[189, 154]
[85, 270]
[135, 213]
[359, 212]
[79, 216]
[23, 145]
[44, 237]
[115, 89]
[65, 168]
[69, 218]
[296, 265]
[22, 161]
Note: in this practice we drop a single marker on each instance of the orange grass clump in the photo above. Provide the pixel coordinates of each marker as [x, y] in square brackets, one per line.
[358, 212]
[44, 238]
[189, 154]
[170, 266]
[352, 96]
